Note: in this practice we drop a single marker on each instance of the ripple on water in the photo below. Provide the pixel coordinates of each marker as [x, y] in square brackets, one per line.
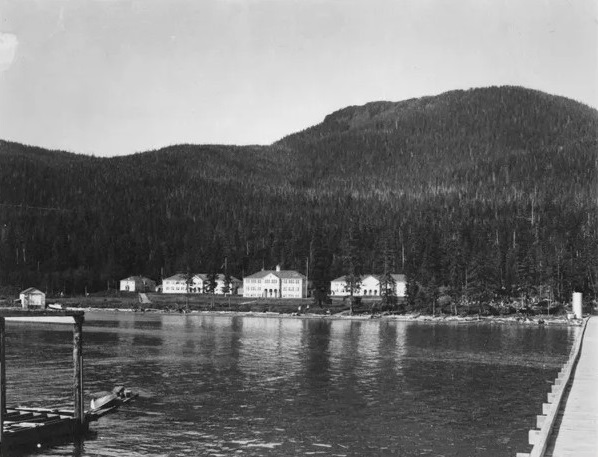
[269, 387]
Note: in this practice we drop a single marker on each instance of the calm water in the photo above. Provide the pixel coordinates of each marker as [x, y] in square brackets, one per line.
[252, 386]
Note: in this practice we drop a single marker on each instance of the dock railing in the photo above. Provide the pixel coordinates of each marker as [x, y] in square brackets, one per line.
[545, 422]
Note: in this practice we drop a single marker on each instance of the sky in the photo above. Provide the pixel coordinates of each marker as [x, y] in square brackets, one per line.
[114, 77]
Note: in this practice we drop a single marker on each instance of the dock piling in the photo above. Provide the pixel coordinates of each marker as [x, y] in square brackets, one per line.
[2, 384]
[79, 414]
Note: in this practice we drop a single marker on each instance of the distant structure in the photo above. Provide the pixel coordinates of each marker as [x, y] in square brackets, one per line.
[33, 298]
[137, 284]
[370, 286]
[176, 284]
[198, 284]
[275, 284]
[201, 281]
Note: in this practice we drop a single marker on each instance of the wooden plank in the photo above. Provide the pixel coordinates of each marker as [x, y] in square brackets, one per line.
[578, 432]
[43, 319]
[533, 437]
[67, 412]
[2, 385]
[540, 438]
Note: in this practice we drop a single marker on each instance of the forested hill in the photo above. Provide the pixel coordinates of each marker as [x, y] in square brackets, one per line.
[479, 193]
[481, 140]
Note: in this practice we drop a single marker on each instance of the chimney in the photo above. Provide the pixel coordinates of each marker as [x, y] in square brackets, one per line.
[277, 267]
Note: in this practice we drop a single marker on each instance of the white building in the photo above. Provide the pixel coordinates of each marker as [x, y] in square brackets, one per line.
[201, 282]
[275, 284]
[400, 285]
[370, 286]
[176, 284]
[33, 298]
[137, 284]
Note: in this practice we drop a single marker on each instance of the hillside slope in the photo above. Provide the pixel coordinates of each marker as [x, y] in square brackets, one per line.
[490, 141]
[472, 193]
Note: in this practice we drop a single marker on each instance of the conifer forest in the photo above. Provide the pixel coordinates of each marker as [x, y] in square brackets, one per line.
[481, 195]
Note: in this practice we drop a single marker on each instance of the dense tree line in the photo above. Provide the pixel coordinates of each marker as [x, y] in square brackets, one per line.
[478, 195]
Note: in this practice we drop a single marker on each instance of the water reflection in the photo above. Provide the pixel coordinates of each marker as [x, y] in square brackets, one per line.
[224, 385]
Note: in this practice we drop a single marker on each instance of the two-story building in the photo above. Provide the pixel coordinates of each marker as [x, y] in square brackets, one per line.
[137, 284]
[275, 284]
[201, 284]
[176, 284]
[370, 286]
[198, 284]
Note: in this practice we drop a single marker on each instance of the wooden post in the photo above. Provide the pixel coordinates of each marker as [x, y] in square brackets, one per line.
[2, 385]
[79, 414]
[577, 305]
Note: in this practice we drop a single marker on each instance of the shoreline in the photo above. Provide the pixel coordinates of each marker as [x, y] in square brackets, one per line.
[416, 317]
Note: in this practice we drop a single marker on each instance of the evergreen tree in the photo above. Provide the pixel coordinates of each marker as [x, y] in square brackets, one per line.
[226, 287]
[188, 280]
[352, 264]
[212, 282]
[320, 267]
[388, 285]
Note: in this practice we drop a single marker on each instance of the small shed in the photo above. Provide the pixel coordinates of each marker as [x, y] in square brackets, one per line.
[33, 298]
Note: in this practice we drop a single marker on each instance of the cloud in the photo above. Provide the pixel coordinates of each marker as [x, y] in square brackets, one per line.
[8, 48]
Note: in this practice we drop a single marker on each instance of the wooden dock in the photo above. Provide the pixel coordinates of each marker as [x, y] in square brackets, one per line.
[577, 433]
[568, 425]
[17, 427]
[22, 426]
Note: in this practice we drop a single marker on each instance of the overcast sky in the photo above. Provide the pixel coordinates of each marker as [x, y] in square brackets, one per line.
[112, 77]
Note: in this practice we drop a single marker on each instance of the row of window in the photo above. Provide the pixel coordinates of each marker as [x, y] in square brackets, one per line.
[272, 281]
[284, 288]
[359, 292]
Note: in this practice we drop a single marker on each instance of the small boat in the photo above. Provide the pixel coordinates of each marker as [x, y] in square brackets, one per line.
[106, 401]
[109, 401]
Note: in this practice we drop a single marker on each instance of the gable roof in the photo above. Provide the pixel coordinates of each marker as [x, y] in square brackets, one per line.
[399, 278]
[219, 277]
[176, 277]
[361, 277]
[281, 274]
[396, 277]
[137, 278]
[32, 291]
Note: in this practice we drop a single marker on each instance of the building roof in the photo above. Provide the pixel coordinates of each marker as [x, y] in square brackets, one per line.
[281, 274]
[137, 278]
[177, 277]
[362, 277]
[219, 277]
[396, 277]
[399, 278]
[32, 291]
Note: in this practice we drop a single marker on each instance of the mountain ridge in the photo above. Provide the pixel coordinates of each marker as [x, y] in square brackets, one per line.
[475, 166]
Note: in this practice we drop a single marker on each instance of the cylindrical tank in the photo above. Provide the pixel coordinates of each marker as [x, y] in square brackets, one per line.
[577, 305]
